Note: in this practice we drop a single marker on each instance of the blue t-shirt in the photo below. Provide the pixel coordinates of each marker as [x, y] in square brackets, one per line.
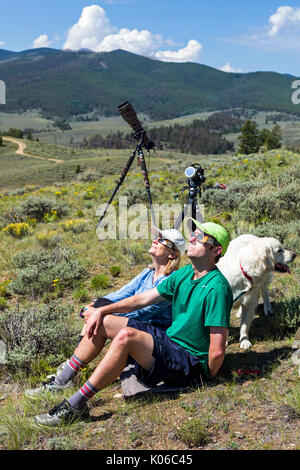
[159, 314]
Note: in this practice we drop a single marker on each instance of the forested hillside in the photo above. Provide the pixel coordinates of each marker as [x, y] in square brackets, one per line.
[67, 83]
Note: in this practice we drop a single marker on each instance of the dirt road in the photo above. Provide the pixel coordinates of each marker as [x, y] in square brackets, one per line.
[21, 147]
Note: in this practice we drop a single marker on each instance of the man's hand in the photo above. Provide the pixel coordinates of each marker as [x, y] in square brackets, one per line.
[90, 310]
[123, 306]
[94, 322]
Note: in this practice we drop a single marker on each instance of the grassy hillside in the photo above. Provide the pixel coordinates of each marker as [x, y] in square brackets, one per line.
[65, 83]
[235, 411]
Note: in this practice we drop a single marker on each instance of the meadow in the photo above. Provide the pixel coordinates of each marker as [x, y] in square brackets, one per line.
[52, 263]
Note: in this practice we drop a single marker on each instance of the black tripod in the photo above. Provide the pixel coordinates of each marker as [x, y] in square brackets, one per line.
[195, 178]
[140, 135]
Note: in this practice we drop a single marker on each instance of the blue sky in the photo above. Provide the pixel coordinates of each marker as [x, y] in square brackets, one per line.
[233, 35]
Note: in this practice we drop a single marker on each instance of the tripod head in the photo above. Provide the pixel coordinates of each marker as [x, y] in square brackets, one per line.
[195, 178]
[129, 115]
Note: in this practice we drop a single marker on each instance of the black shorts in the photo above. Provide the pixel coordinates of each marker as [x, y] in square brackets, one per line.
[101, 302]
[173, 365]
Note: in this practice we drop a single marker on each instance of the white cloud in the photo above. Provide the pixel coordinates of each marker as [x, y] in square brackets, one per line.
[94, 31]
[284, 18]
[138, 42]
[2, 43]
[41, 41]
[228, 68]
[190, 53]
[93, 26]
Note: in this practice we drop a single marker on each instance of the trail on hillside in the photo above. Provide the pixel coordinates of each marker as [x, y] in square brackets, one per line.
[22, 146]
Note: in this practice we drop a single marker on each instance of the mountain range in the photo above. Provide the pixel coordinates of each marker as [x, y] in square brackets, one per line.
[68, 83]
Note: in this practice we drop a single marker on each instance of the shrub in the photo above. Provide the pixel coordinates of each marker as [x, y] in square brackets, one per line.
[37, 271]
[4, 288]
[222, 200]
[115, 270]
[37, 331]
[38, 208]
[136, 250]
[193, 433]
[289, 234]
[17, 230]
[49, 239]
[81, 294]
[135, 195]
[100, 281]
[75, 225]
[2, 303]
[287, 314]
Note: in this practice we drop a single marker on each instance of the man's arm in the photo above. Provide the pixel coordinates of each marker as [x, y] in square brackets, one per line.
[217, 349]
[135, 302]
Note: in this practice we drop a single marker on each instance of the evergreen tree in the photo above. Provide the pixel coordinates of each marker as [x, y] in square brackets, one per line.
[249, 138]
[271, 139]
[274, 138]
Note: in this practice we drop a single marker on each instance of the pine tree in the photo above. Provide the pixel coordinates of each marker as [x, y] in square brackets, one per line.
[249, 138]
[274, 138]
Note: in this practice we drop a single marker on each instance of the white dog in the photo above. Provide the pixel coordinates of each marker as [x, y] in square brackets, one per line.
[248, 265]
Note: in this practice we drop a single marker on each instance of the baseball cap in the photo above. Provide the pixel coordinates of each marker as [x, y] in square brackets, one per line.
[219, 233]
[173, 235]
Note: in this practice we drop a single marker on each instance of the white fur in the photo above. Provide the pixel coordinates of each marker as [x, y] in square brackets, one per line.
[258, 257]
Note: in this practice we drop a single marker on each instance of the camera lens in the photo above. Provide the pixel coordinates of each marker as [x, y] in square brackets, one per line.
[190, 172]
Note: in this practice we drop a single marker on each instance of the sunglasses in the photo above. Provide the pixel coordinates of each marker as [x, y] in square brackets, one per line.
[204, 238]
[165, 242]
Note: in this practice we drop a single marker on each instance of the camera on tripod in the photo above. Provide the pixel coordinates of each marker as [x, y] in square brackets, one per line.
[195, 176]
[129, 115]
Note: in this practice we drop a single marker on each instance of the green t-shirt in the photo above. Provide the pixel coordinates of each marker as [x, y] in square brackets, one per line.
[196, 305]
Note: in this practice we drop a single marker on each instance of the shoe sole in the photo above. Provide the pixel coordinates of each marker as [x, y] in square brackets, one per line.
[45, 393]
[63, 422]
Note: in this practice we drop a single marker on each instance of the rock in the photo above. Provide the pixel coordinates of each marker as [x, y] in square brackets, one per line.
[288, 413]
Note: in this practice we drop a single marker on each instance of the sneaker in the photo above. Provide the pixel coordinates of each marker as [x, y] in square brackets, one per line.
[61, 414]
[75, 379]
[48, 386]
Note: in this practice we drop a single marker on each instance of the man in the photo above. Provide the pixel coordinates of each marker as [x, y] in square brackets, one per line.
[193, 347]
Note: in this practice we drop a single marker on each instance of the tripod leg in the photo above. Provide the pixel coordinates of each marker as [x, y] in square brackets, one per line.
[147, 182]
[195, 214]
[120, 181]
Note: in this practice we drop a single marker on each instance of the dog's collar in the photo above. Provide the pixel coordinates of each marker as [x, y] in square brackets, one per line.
[247, 276]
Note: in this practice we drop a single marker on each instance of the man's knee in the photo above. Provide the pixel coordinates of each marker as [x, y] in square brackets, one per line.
[112, 324]
[125, 336]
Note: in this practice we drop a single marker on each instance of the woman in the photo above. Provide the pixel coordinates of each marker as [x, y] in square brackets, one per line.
[166, 250]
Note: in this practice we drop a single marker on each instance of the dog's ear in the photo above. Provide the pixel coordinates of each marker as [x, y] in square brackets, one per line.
[264, 253]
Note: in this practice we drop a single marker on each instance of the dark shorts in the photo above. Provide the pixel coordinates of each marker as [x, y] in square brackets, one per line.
[173, 365]
[101, 302]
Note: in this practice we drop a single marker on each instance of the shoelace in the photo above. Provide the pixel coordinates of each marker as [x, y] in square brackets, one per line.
[60, 407]
[49, 382]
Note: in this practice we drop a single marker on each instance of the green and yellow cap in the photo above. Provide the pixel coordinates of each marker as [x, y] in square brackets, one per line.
[218, 232]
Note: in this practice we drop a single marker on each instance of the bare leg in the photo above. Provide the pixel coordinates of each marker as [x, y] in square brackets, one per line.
[129, 341]
[89, 349]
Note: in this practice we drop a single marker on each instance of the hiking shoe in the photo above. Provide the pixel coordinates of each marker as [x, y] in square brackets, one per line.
[48, 386]
[60, 368]
[61, 414]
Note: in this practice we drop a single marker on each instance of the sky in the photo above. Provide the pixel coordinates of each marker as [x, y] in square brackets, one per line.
[232, 35]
